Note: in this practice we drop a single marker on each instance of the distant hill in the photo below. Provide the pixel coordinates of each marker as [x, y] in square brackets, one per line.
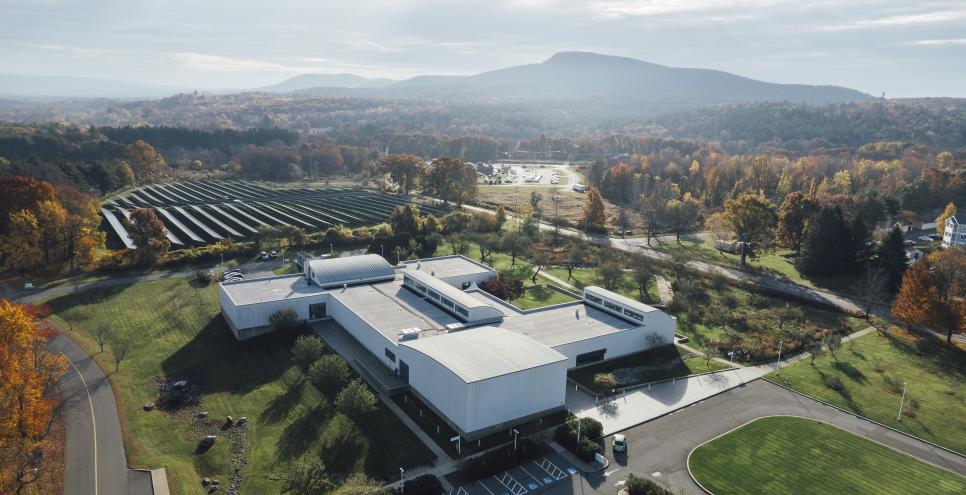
[581, 75]
[19, 85]
[311, 81]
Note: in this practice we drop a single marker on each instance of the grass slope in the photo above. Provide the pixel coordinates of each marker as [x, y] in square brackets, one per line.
[787, 455]
[177, 332]
[872, 373]
[652, 365]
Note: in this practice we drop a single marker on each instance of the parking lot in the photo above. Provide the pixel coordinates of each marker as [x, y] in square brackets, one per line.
[531, 477]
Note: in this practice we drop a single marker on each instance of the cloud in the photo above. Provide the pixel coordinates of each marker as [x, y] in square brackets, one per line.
[951, 41]
[934, 17]
[218, 63]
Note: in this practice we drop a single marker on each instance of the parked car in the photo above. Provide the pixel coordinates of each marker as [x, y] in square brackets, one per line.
[620, 443]
[263, 255]
[273, 254]
[936, 237]
[909, 243]
[924, 238]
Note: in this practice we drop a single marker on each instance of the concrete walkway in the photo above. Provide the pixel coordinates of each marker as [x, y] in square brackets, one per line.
[638, 406]
[560, 282]
[664, 291]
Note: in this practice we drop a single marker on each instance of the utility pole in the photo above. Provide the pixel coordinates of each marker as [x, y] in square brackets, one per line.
[901, 401]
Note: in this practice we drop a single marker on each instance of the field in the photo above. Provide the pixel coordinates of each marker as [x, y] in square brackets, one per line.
[582, 277]
[538, 297]
[788, 455]
[647, 366]
[868, 378]
[178, 334]
[568, 210]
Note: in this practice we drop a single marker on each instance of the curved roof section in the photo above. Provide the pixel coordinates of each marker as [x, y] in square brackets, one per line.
[350, 270]
[485, 352]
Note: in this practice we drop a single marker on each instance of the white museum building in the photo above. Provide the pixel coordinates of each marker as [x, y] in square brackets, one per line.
[481, 363]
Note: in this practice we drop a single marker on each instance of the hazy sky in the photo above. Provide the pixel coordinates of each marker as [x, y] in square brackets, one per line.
[903, 47]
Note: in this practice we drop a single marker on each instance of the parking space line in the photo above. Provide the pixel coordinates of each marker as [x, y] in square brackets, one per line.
[515, 488]
[462, 491]
[485, 488]
[552, 469]
[529, 474]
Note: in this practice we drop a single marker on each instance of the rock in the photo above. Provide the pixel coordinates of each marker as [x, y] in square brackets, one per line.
[203, 414]
[242, 420]
[208, 441]
[215, 482]
[205, 481]
[180, 384]
[212, 488]
[229, 421]
[149, 406]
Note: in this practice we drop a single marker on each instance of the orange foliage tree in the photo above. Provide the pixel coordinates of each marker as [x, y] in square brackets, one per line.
[28, 406]
[932, 294]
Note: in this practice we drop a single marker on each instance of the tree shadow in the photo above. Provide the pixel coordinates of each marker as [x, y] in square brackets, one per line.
[279, 407]
[91, 295]
[299, 435]
[850, 371]
[220, 363]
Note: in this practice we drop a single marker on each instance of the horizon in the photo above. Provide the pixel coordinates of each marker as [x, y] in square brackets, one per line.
[872, 46]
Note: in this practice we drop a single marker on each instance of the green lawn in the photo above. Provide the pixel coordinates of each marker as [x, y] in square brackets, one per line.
[871, 376]
[582, 277]
[648, 366]
[179, 334]
[789, 455]
[538, 297]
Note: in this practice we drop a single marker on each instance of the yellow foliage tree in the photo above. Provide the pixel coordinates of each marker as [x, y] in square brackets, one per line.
[949, 211]
[21, 245]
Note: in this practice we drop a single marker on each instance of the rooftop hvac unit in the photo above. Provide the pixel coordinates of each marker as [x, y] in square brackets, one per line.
[409, 333]
[455, 326]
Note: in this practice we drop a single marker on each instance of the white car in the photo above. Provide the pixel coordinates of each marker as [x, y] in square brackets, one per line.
[924, 238]
[620, 443]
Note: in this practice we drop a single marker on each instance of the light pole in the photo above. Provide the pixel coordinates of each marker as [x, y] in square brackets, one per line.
[382, 250]
[901, 401]
[402, 472]
[779, 363]
[515, 433]
[222, 259]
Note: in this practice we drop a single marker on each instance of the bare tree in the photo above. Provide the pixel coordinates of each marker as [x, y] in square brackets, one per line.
[815, 350]
[871, 287]
[710, 350]
[119, 348]
[102, 333]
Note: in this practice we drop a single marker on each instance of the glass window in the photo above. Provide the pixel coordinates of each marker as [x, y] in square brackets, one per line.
[590, 357]
[391, 355]
[447, 303]
[610, 305]
[462, 311]
[632, 314]
[593, 299]
[434, 295]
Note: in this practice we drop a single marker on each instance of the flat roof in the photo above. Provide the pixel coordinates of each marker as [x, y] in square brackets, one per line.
[556, 325]
[259, 290]
[485, 352]
[449, 266]
[390, 309]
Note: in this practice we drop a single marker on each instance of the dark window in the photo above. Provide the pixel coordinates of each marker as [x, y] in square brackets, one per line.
[391, 355]
[632, 314]
[434, 295]
[593, 299]
[403, 371]
[447, 303]
[590, 357]
[462, 311]
[421, 287]
[612, 306]
[316, 311]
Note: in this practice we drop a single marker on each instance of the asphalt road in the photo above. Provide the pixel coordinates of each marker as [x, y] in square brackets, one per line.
[95, 462]
[659, 449]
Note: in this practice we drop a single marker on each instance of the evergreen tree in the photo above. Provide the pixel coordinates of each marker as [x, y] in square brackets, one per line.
[829, 247]
[890, 256]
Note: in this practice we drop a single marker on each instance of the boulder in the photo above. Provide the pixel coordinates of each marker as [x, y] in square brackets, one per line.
[149, 406]
[229, 421]
[242, 420]
[203, 414]
[205, 481]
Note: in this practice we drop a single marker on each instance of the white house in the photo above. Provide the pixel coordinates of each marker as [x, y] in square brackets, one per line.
[954, 233]
[481, 363]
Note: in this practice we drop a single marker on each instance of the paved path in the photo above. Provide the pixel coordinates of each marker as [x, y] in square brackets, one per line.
[664, 291]
[561, 282]
[663, 445]
[644, 404]
[95, 463]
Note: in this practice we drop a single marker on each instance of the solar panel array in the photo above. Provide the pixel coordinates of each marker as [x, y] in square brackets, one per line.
[203, 212]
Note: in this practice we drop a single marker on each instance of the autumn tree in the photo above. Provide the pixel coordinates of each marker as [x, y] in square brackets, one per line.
[796, 211]
[752, 218]
[622, 220]
[148, 234]
[52, 221]
[22, 193]
[21, 242]
[404, 170]
[949, 211]
[921, 300]
[28, 405]
[144, 160]
[682, 214]
[593, 215]
[504, 286]
[450, 180]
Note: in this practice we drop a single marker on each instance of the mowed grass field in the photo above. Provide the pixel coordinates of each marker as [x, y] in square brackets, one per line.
[872, 373]
[177, 332]
[789, 455]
